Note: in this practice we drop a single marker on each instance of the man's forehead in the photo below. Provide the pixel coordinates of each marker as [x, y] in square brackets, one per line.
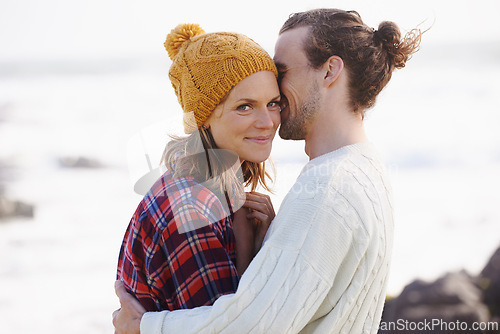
[289, 44]
[294, 36]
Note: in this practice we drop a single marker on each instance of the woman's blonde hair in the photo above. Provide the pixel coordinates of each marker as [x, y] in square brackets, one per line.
[197, 155]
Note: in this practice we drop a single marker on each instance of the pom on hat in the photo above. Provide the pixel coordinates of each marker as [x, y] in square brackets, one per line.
[179, 35]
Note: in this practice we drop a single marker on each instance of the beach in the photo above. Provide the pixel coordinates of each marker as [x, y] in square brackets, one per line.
[75, 136]
[60, 265]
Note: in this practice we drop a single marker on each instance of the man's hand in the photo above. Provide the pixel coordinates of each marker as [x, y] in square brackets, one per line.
[127, 319]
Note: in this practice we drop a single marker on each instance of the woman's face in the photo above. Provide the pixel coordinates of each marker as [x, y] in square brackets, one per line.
[247, 120]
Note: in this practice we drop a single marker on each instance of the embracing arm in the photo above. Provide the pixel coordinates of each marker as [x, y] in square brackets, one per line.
[322, 268]
[284, 286]
[278, 291]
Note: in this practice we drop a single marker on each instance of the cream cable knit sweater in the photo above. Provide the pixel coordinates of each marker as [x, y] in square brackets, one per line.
[323, 267]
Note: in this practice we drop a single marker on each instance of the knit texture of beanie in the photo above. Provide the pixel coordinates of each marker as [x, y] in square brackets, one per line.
[206, 66]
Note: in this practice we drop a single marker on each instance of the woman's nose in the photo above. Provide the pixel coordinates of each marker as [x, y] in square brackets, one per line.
[265, 120]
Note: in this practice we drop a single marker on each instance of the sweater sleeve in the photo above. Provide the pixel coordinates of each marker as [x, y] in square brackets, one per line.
[279, 293]
[287, 283]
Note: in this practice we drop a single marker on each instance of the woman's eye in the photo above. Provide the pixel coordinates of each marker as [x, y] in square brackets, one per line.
[274, 105]
[243, 107]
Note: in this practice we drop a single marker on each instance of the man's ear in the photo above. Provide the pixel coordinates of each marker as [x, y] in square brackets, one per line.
[333, 67]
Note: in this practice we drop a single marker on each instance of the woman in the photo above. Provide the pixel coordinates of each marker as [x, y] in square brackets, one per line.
[180, 250]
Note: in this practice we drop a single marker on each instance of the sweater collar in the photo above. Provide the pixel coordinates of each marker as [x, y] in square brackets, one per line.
[361, 147]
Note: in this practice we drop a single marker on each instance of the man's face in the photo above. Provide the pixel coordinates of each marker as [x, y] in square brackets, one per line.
[297, 84]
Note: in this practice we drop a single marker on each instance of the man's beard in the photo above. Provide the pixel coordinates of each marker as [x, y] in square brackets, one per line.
[295, 127]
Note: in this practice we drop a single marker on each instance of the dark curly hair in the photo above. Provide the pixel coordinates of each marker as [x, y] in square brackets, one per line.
[370, 56]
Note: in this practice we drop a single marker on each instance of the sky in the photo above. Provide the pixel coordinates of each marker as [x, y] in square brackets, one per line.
[57, 30]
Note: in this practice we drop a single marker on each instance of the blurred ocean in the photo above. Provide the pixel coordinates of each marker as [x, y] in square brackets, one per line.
[436, 125]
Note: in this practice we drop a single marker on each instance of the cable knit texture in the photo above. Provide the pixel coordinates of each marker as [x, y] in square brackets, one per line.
[324, 264]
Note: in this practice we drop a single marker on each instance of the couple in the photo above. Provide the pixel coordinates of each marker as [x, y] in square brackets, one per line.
[322, 266]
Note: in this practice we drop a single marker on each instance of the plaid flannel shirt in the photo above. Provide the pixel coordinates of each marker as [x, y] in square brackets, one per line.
[168, 266]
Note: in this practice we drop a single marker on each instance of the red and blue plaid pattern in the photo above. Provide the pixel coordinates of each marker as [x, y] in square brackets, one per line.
[168, 267]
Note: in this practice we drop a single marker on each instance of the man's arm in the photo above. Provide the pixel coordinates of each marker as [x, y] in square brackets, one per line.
[281, 294]
[287, 283]
[278, 292]
[303, 271]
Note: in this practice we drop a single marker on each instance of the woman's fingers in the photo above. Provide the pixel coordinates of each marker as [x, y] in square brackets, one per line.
[258, 197]
[260, 216]
[261, 203]
[256, 206]
[261, 213]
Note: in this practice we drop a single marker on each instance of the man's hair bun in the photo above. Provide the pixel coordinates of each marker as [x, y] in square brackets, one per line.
[398, 48]
[179, 35]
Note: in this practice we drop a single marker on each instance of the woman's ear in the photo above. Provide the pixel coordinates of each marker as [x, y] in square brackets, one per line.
[333, 67]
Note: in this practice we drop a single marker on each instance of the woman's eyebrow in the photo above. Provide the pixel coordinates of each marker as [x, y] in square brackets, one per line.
[247, 99]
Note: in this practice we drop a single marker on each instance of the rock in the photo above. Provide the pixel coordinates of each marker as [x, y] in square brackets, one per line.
[489, 281]
[438, 307]
[79, 162]
[10, 208]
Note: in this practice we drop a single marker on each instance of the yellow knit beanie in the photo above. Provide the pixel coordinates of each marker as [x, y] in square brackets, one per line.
[206, 66]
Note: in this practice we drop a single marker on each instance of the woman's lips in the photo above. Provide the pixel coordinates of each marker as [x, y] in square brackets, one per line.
[259, 140]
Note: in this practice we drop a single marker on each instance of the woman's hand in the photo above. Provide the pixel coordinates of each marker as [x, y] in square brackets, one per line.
[250, 224]
[261, 213]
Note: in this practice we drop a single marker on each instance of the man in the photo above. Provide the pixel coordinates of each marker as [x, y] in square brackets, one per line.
[324, 265]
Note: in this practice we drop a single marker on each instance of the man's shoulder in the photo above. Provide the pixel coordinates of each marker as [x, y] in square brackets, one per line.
[352, 163]
[345, 183]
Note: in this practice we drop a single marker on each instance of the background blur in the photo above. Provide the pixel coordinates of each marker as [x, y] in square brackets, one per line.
[84, 95]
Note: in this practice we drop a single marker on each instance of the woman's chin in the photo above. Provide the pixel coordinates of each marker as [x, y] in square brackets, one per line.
[257, 156]
[257, 159]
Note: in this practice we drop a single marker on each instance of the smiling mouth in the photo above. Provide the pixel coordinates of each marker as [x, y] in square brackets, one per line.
[259, 140]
